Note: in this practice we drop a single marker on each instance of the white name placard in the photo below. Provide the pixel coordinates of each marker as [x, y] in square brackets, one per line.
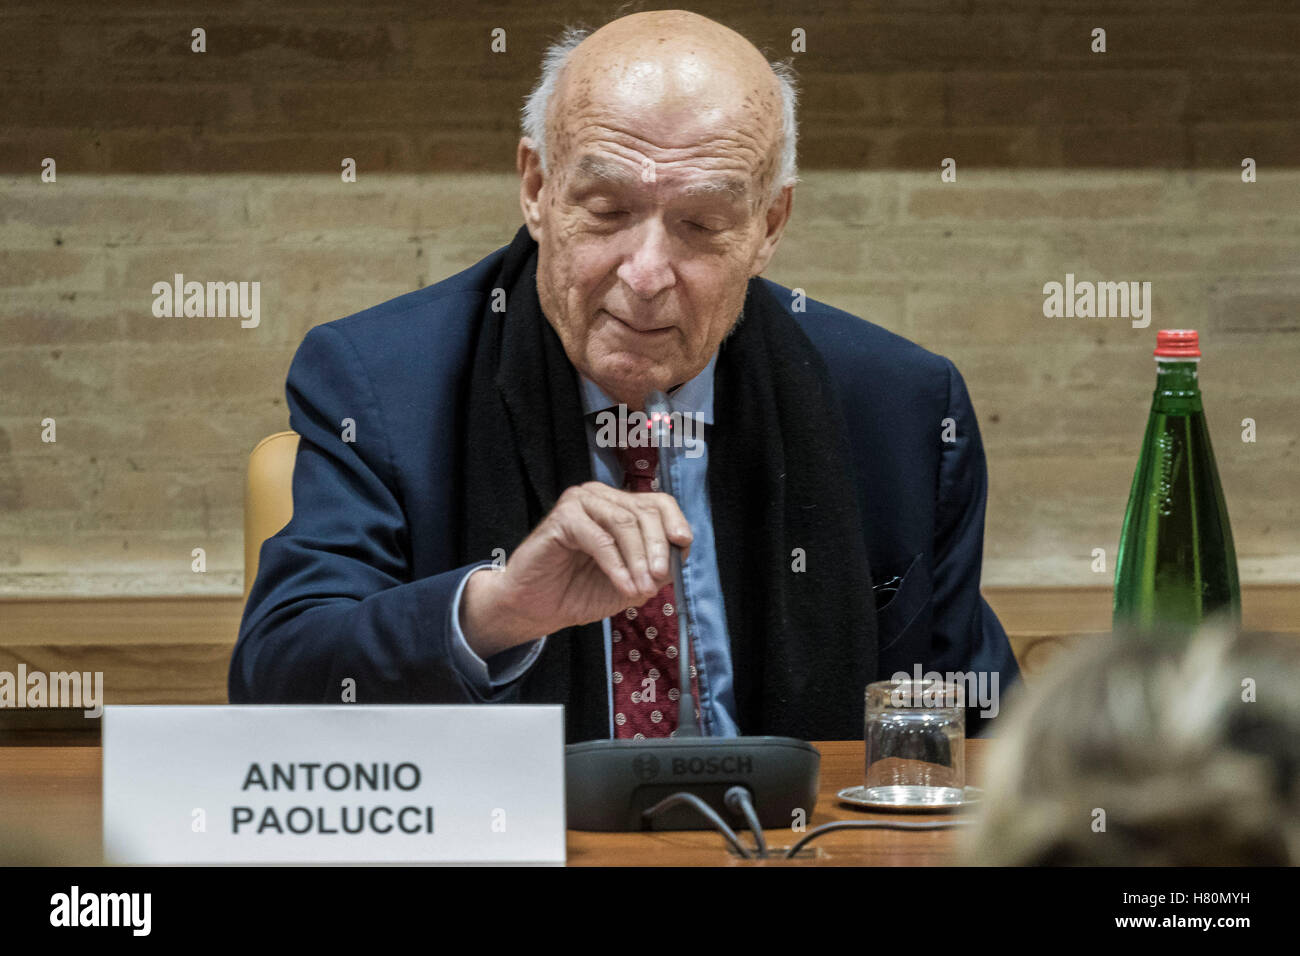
[339, 783]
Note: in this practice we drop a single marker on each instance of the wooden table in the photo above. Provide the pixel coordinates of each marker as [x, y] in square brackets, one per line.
[50, 811]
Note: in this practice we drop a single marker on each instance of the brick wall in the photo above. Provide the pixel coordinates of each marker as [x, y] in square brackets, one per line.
[414, 86]
[224, 166]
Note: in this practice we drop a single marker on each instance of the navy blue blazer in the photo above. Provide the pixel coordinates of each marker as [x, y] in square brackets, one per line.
[359, 584]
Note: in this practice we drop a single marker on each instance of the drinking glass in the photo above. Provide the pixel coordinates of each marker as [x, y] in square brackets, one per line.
[916, 742]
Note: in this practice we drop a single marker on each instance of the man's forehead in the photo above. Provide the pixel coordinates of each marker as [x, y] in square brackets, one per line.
[592, 168]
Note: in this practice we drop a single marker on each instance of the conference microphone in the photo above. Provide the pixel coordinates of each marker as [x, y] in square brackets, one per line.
[611, 783]
[659, 413]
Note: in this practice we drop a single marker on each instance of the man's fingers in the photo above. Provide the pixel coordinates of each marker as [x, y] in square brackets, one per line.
[627, 533]
[666, 523]
[624, 524]
[585, 534]
[656, 541]
[673, 521]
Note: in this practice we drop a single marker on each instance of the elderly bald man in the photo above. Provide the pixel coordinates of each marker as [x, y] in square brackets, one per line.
[485, 533]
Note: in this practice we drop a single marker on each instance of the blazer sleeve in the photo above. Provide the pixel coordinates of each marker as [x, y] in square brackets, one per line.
[967, 634]
[334, 600]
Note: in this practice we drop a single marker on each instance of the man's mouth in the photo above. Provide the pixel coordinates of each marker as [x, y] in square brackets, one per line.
[632, 328]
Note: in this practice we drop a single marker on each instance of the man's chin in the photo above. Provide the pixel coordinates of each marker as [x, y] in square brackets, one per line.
[630, 379]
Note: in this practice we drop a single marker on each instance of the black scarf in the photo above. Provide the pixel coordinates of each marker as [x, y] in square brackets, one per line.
[803, 642]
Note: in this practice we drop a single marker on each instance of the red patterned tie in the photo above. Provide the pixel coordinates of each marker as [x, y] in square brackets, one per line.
[645, 640]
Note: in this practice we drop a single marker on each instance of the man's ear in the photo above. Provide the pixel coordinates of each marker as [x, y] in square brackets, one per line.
[531, 178]
[778, 214]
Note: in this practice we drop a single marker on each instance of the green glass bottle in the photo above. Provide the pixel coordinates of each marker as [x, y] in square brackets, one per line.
[1176, 564]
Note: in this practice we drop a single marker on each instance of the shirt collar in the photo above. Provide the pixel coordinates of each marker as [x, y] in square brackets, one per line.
[694, 397]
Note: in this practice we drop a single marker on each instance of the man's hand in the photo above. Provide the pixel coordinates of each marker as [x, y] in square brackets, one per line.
[599, 551]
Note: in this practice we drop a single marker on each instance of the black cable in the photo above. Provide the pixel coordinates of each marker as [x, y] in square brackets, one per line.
[738, 800]
[719, 824]
[874, 825]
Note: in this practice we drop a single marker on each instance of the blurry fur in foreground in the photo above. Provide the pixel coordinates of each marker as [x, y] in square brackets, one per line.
[1162, 736]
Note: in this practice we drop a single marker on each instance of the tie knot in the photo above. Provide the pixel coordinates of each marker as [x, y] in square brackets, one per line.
[639, 465]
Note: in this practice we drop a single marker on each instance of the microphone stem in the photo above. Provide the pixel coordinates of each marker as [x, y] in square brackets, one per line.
[686, 725]
[660, 415]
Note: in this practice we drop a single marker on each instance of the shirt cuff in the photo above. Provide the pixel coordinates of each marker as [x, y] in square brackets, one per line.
[490, 676]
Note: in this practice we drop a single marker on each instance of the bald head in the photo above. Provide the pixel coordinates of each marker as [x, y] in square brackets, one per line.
[667, 60]
[656, 175]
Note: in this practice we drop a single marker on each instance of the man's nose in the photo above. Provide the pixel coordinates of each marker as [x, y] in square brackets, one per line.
[648, 269]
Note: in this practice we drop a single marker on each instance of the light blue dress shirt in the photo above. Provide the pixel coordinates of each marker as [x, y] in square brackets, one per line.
[491, 679]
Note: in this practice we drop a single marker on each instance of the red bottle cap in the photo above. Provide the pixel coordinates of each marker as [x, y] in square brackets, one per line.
[1178, 343]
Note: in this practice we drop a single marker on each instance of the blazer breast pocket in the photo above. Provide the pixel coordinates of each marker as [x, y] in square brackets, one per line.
[902, 629]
